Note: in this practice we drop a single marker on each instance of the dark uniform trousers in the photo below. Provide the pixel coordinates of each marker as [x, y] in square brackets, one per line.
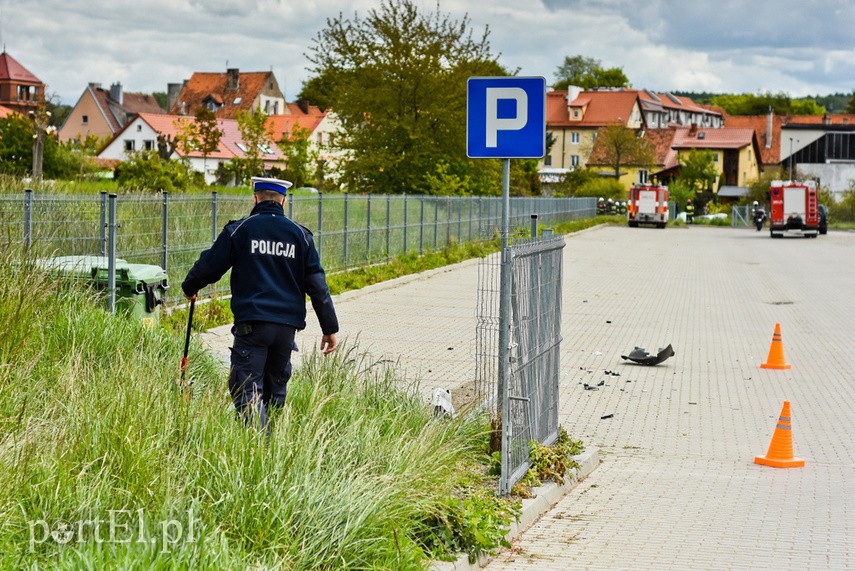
[260, 368]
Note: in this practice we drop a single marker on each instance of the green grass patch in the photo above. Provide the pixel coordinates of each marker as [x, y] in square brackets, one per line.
[105, 464]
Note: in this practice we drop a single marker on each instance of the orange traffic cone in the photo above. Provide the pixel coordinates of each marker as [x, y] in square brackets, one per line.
[775, 360]
[780, 454]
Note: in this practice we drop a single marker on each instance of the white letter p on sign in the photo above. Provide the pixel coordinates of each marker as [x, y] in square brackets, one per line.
[496, 124]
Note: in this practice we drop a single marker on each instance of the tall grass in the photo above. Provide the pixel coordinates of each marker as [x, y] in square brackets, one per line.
[104, 464]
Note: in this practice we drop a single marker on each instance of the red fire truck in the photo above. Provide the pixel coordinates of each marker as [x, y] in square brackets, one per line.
[795, 209]
[648, 204]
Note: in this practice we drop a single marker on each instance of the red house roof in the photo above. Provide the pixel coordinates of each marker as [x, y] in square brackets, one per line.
[10, 69]
[203, 86]
[597, 108]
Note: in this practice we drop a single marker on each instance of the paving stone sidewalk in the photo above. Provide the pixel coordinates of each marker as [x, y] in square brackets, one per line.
[677, 487]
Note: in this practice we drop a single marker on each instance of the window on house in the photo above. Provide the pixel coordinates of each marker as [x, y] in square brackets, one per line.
[148, 145]
[575, 113]
[320, 138]
[267, 107]
[139, 128]
[130, 145]
[85, 119]
[547, 161]
[642, 176]
[574, 160]
[715, 157]
[574, 138]
[241, 146]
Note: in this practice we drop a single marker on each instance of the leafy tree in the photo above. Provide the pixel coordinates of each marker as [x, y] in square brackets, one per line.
[622, 147]
[297, 149]
[255, 136]
[202, 135]
[587, 73]
[850, 107]
[146, 170]
[318, 91]
[162, 99]
[16, 151]
[780, 103]
[16, 145]
[397, 82]
[697, 171]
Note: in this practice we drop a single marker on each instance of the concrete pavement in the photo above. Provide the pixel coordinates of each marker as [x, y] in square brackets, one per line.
[677, 487]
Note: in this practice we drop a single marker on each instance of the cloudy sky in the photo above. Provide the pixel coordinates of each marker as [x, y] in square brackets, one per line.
[803, 47]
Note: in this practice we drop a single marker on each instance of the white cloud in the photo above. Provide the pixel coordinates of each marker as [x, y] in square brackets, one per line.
[714, 46]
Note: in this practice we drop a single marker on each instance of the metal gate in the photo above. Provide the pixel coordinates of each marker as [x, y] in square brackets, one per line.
[528, 406]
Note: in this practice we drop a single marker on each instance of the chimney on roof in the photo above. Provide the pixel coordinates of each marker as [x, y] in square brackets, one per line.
[573, 92]
[172, 92]
[826, 120]
[303, 104]
[693, 129]
[232, 79]
[94, 85]
[769, 128]
[116, 92]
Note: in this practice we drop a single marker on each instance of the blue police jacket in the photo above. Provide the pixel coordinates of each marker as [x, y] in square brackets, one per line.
[274, 266]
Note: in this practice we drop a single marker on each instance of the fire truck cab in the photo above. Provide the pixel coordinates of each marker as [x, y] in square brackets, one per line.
[795, 209]
[647, 204]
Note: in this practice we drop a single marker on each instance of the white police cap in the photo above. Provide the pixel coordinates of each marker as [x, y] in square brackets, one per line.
[274, 184]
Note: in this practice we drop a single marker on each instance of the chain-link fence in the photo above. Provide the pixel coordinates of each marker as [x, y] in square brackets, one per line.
[169, 230]
[528, 406]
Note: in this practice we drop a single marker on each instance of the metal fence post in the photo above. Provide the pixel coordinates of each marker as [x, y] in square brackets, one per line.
[388, 224]
[291, 206]
[534, 225]
[406, 217]
[459, 218]
[102, 230]
[368, 231]
[111, 255]
[213, 216]
[421, 225]
[435, 221]
[164, 227]
[344, 238]
[320, 223]
[28, 218]
[447, 220]
[470, 219]
[480, 216]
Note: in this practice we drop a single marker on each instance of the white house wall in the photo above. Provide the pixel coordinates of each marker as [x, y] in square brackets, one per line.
[836, 177]
[139, 132]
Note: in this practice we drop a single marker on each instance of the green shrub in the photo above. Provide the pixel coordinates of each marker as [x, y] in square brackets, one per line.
[145, 170]
[602, 187]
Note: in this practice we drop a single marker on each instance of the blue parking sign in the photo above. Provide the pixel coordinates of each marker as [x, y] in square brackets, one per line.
[506, 117]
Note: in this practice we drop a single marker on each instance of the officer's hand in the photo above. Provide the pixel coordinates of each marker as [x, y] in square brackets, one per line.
[190, 297]
[328, 343]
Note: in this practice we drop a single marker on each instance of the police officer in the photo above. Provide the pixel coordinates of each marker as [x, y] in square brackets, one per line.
[274, 266]
[690, 212]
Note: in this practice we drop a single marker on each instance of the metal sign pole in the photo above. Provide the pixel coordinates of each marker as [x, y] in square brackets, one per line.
[505, 328]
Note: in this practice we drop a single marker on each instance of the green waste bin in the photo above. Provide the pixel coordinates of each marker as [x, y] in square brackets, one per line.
[140, 288]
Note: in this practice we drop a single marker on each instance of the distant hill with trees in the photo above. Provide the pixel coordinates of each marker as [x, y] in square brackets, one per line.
[758, 104]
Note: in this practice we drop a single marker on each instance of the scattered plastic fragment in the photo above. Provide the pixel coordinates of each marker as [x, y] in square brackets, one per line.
[605, 416]
[642, 357]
